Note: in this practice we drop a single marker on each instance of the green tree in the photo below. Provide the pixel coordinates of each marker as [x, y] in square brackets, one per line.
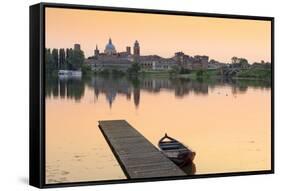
[239, 62]
[174, 70]
[184, 71]
[243, 61]
[75, 59]
[62, 59]
[86, 69]
[202, 74]
[78, 59]
[234, 60]
[134, 69]
[49, 61]
[55, 55]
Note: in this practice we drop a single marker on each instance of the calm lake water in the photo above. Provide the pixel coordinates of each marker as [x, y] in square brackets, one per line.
[226, 122]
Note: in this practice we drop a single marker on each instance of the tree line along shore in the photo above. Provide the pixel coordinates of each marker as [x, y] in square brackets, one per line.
[74, 59]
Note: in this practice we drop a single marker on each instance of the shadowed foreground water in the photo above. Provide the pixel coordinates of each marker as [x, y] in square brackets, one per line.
[227, 123]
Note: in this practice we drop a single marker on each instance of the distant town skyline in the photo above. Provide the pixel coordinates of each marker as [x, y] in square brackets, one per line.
[163, 35]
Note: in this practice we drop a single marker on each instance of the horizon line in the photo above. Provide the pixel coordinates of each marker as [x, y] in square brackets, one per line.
[87, 57]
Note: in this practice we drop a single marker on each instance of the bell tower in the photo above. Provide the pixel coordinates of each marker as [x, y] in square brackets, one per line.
[136, 48]
[97, 52]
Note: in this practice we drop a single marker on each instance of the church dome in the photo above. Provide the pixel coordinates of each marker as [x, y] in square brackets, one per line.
[110, 48]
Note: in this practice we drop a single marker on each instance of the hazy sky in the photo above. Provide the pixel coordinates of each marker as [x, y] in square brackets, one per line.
[163, 35]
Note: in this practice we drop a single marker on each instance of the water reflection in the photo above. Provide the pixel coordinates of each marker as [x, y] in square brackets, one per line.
[217, 118]
[114, 86]
[65, 88]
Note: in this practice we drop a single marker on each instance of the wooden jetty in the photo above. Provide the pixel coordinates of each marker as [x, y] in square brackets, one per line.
[136, 155]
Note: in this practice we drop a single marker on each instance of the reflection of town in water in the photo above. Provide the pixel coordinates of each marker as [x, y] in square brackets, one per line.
[207, 115]
[132, 87]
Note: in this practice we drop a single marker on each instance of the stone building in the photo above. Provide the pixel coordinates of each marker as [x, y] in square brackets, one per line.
[110, 48]
[155, 62]
[136, 48]
[165, 64]
[183, 60]
[77, 47]
[148, 62]
[200, 62]
[96, 52]
[213, 64]
[191, 63]
[128, 50]
[110, 59]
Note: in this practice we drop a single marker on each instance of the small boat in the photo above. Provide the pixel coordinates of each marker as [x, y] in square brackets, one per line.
[65, 74]
[189, 169]
[180, 154]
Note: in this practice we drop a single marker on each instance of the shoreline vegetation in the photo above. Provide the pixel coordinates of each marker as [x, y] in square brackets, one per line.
[74, 59]
[208, 74]
[249, 73]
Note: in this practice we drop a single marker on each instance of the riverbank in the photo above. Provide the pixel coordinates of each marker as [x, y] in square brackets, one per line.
[251, 74]
[247, 74]
[255, 73]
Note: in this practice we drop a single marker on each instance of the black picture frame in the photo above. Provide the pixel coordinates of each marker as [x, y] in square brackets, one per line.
[37, 93]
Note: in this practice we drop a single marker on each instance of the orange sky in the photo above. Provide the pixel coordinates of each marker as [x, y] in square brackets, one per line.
[164, 35]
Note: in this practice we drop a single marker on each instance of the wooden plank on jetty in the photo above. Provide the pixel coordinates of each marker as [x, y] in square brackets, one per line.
[136, 155]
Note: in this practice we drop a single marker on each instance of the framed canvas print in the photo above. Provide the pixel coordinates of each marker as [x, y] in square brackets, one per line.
[122, 95]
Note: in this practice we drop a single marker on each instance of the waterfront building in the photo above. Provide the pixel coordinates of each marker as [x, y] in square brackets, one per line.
[191, 63]
[183, 60]
[136, 48]
[200, 62]
[128, 50]
[97, 52]
[165, 64]
[110, 59]
[148, 62]
[77, 47]
[213, 64]
[179, 58]
[110, 48]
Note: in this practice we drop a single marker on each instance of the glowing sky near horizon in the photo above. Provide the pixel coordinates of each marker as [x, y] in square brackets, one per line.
[219, 38]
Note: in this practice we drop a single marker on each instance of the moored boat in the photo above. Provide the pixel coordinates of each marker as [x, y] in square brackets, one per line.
[180, 154]
[69, 74]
